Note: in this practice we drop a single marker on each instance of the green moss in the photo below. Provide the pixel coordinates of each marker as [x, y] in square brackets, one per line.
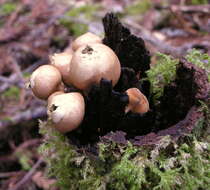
[199, 2]
[7, 119]
[79, 29]
[127, 173]
[24, 159]
[138, 7]
[7, 8]
[76, 29]
[1, 23]
[64, 162]
[202, 60]
[26, 75]
[12, 92]
[161, 74]
[164, 71]
[167, 166]
[86, 11]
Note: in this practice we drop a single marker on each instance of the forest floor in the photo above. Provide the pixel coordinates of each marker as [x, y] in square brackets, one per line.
[31, 30]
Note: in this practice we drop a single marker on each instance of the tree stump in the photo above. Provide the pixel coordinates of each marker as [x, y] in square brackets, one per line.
[114, 150]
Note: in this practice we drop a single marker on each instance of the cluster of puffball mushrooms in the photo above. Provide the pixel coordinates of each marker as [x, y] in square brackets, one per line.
[82, 65]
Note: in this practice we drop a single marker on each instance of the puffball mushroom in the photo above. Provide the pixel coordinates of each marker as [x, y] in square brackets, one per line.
[91, 63]
[50, 98]
[66, 111]
[85, 39]
[45, 80]
[69, 50]
[62, 62]
[138, 103]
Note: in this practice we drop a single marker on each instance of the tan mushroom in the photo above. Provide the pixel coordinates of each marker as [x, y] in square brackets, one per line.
[62, 61]
[50, 98]
[45, 80]
[138, 103]
[69, 50]
[91, 63]
[85, 39]
[66, 111]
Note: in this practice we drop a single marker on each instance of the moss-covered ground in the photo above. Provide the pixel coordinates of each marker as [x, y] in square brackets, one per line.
[184, 164]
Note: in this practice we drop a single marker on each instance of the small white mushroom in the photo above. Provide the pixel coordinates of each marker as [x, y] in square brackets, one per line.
[85, 39]
[66, 111]
[50, 98]
[91, 63]
[69, 50]
[62, 61]
[45, 80]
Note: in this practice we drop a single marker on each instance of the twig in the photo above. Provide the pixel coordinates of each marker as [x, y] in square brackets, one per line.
[23, 116]
[188, 9]
[164, 47]
[14, 78]
[51, 22]
[27, 144]
[150, 38]
[28, 176]
[178, 15]
[193, 8]
[10, 174]
[8, 82]
[35, 65]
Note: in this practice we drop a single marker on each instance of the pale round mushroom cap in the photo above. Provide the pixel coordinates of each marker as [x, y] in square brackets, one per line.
[138, 103]
[85, 39]
[45, 80]
[50, 98]
[93, 62]
[69, 50]
[66, 111]
[62, 61]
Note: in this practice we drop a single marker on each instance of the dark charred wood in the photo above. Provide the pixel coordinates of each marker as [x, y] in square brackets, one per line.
[130, 49]
[105, 118]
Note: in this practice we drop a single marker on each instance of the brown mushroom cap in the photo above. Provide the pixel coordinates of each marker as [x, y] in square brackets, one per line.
[45, 80]
[66, 111]
[138, 103]
[85, 39]
[62, 61]
[91, 63]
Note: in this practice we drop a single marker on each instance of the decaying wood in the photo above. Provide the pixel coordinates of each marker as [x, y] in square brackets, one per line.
[105, 117]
